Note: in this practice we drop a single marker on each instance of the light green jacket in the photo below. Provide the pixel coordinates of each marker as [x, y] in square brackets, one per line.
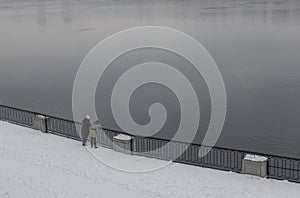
[94, 131]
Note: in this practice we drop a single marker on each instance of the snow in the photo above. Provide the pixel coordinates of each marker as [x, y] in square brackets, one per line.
[123, 137]
[35, 164]
[255, 158]
[41, 117]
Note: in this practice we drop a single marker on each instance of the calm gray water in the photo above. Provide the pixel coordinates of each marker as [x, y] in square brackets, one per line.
[256, 45]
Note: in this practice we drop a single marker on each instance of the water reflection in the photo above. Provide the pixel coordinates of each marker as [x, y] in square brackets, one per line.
[214, 11]
[66, 12]
[42, 14]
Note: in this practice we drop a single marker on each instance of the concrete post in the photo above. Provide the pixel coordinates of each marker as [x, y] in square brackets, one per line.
[122, 143]
[39, 123]
[255, 165]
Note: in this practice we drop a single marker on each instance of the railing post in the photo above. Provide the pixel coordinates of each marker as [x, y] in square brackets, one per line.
[268, 169]
[46, 124]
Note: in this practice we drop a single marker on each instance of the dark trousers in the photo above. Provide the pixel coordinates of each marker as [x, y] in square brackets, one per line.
[84, 140]
[93, 142]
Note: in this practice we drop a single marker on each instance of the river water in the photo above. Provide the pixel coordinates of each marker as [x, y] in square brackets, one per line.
[256, 45]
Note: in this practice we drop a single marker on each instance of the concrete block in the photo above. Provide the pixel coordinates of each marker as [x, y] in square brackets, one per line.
[255, 165]
[39, 123]
[122, 143]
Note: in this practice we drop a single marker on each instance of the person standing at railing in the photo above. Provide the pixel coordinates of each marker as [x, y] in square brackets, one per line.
[85, 129]
[94, 132]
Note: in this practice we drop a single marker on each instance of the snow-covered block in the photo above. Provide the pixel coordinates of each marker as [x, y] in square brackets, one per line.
[255, 165]
[39, 123]
[122, 143]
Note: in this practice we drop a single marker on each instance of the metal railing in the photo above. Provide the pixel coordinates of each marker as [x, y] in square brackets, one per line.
[278, 167]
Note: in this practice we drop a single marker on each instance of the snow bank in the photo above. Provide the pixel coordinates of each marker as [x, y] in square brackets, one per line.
[255, 158]
[34, 164]
[123, 137]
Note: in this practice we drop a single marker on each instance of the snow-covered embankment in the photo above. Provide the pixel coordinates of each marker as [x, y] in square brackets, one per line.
[34, 164]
